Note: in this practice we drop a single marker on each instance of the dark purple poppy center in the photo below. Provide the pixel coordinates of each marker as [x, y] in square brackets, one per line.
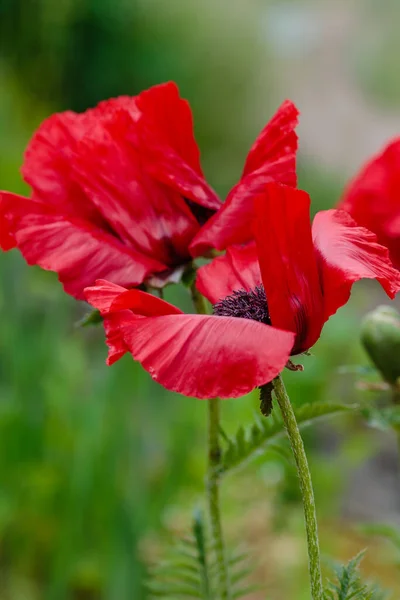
[201, 213]
[245, 305]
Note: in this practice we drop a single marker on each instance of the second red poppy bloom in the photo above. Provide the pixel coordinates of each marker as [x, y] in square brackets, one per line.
[372, 198]
[271, 299]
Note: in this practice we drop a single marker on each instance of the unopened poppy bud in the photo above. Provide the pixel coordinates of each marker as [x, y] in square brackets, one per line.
[380, 336]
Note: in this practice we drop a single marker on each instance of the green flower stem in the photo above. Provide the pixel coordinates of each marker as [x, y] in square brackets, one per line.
[213, 479]
[198, 300]
[213, 476]
[303, 471]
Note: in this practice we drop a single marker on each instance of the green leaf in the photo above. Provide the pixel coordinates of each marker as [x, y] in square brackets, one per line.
[249, 443]
[349, 585]
[282, 450]
[191, 570]
[92, 318]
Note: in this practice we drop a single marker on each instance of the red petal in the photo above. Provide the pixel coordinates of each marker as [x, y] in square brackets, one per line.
[47, 164]
[102, 295]
[78, 251]
[271, 158]
[108, 297]
[207, 356]
[148, 216]
[115, 341]
[7, 240]
[238, 269]
[144, 304]
[164, 137]
[347, 253]
[372, 198]
[48, 158]
[277, 140]
[288, 264]
[196, 355]
[164, 109]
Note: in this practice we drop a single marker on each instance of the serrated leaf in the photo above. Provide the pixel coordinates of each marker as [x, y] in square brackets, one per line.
[192, 571]
[241, 575]
[282, 451]
[247, 444]
[243, 592]
[178, 565]
[238, 558]
[349, 585]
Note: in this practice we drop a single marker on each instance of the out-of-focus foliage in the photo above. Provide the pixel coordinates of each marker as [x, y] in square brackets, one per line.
[97, 464]
[349, 585]
[264, 432]
[190, 569]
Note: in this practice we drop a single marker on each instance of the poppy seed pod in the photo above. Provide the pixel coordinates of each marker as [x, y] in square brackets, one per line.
[380, 336]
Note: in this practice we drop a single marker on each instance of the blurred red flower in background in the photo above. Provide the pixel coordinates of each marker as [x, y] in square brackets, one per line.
[118, 191]
[271, 299]
[372, 198]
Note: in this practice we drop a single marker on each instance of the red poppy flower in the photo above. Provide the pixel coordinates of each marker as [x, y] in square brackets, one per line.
[95, 210]
[118, 191]
[372, 198]
[294, 277]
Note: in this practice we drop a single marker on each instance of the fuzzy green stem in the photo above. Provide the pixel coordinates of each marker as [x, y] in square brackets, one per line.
[307, 493]
[213, 476]
[198, 300]
[213, 479]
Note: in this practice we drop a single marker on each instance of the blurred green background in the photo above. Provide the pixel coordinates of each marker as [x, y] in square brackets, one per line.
[99, 466]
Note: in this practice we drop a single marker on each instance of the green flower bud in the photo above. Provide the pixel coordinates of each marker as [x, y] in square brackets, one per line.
[380, 336]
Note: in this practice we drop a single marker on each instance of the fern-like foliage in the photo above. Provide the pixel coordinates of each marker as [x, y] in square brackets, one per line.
[252, 441]
[191, 571]
[349, 585]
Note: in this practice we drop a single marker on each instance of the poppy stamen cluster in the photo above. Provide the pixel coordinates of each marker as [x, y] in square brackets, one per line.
[245, 305]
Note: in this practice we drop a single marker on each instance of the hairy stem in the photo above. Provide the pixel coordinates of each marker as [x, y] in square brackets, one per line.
[213, 480]
[213, 477]
[305, 485]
